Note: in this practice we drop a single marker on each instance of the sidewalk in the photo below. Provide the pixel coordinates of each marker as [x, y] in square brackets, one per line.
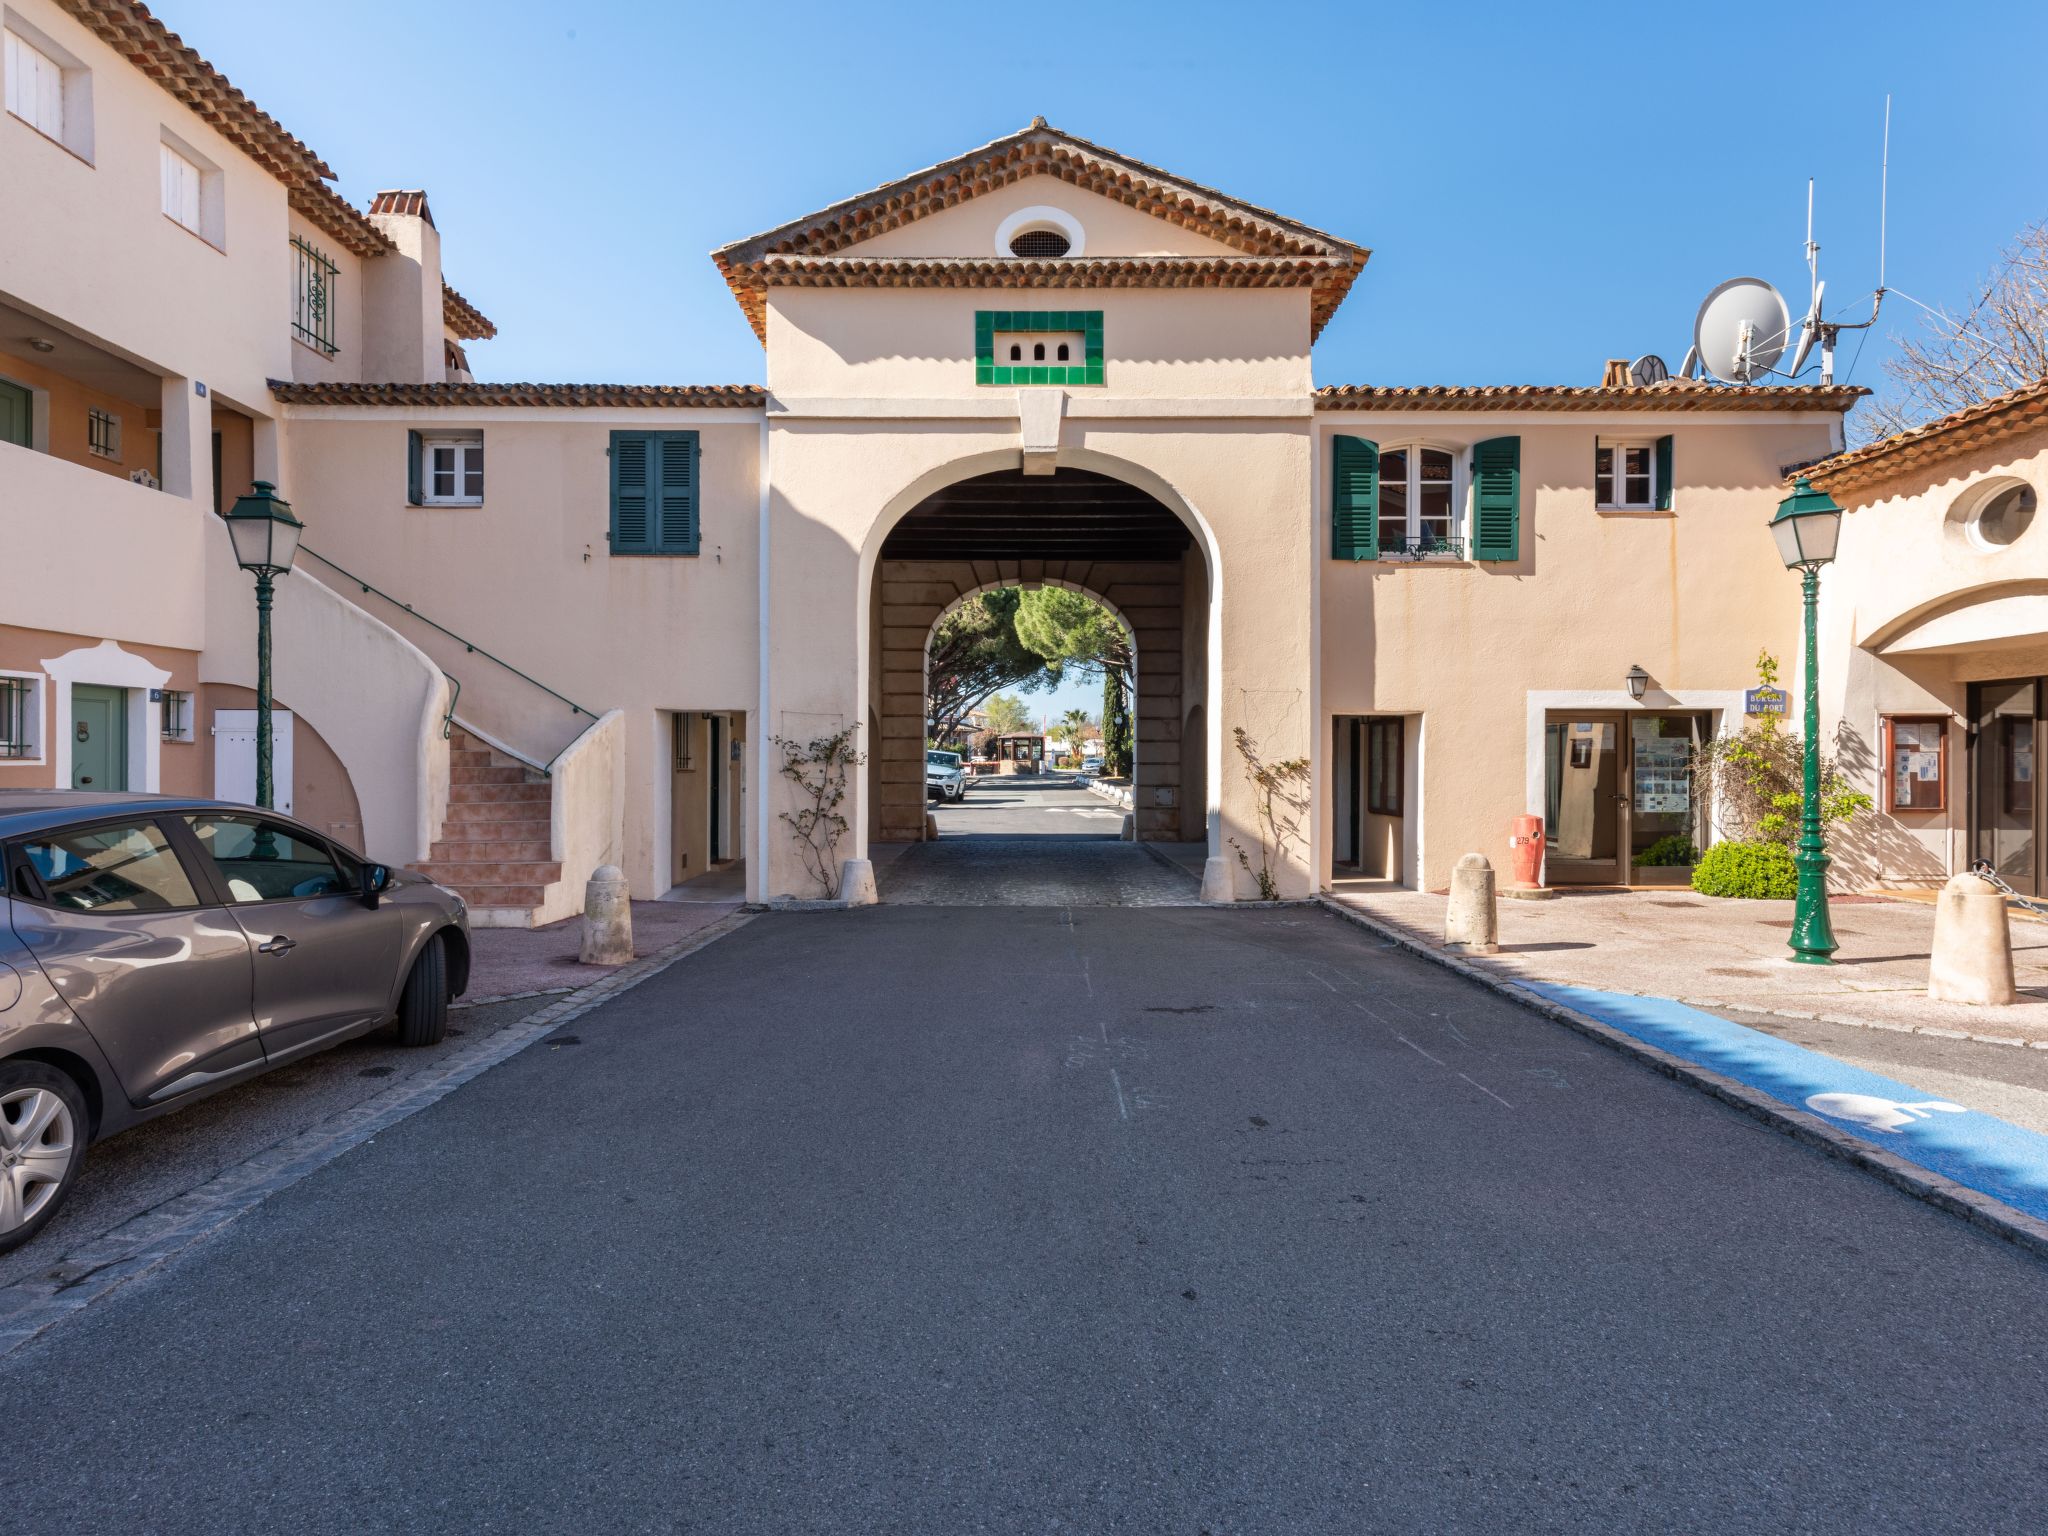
[1730, 956]
[520, 962]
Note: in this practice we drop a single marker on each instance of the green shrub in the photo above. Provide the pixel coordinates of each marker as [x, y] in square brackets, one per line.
[1672, 848]
[1755, 870]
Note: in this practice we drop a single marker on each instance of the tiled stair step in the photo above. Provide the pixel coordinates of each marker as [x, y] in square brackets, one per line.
[500, 896]
[493, 872]
[491, 773]
[472, 794]
[491, 850]
[529, 817]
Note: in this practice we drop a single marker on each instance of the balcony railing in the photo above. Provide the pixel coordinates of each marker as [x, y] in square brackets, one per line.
[1424, 546]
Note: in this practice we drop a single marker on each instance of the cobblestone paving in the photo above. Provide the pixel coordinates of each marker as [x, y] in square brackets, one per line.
[1033, 872]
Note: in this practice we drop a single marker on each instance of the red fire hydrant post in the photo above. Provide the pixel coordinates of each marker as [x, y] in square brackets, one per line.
[1525, 854]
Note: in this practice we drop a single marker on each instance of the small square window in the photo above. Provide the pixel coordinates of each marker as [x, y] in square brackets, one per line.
[453, 471]
[1625, 476]
[102, 434]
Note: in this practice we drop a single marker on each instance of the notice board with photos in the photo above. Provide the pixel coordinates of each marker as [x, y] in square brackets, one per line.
[1916, 763]
[1663, 780]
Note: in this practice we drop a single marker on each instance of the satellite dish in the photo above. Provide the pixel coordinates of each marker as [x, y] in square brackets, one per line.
[1649, 369]
[1809, 328]
[1741, 330]
[1690, 368]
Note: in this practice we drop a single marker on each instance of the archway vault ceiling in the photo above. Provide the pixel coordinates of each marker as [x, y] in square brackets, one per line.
[1073, 514]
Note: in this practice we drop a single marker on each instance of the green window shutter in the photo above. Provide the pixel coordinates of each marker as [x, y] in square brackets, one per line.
[414, 480]
[675, 465]
[632, 493]
[1354, 499]
[1663, 474]
[1497, 499]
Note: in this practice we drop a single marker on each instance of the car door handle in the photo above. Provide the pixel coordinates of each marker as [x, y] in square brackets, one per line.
[277, 946]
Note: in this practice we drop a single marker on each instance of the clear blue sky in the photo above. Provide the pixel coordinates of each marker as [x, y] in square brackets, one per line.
[1542, 187]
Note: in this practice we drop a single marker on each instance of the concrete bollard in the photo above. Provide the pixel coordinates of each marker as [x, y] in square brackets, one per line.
[1127, 832]
[1218, 883]
[857, 883]
[931, 827]
[607, 918]
[1972, 960]
[1472, 923]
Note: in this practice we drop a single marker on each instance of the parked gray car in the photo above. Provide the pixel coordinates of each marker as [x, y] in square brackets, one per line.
[154, 950]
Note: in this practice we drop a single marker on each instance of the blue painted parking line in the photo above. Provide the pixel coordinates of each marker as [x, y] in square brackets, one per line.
[1977, 1150]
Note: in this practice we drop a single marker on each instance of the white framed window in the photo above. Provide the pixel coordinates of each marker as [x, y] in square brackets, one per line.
[102, 434]
[193, 190]
[1625, 475]
[21, 718]
[181, 189]
[452, 471]
[35, 86]
[1422, 501]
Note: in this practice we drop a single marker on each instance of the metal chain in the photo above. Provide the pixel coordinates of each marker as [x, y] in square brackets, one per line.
[1982, 868]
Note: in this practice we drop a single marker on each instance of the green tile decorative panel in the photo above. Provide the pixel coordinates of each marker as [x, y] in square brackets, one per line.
[988, 370]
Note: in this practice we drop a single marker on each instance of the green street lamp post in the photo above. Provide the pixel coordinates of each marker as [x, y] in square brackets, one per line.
[266, 540]
[1807, 528]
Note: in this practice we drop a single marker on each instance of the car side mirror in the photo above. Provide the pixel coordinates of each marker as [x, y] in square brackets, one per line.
[376, 881]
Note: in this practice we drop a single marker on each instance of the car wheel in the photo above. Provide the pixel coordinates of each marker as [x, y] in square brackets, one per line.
[423, 1008]
[42, 1146]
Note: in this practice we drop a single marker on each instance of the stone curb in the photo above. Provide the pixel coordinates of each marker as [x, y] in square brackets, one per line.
[1994, 1216]
[148, 1241]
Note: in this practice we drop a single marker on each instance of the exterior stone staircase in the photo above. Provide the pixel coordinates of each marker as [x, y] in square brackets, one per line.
[495, 847]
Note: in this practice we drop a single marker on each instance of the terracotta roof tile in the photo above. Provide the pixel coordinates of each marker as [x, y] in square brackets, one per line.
[131, 31]
[413, 204]
[478, 396]
[1983, 425]
[1040, 150]
[463, 317]
[1329, 277]
[1675, 395]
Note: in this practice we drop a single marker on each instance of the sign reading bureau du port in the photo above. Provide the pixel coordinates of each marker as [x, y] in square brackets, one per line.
[1765, 701]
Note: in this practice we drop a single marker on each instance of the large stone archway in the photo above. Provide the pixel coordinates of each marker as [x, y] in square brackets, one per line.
[1079, 529]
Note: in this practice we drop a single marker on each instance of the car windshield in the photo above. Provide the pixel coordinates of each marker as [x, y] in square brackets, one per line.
[942, 759]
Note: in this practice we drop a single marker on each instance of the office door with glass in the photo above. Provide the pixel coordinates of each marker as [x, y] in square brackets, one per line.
[1618, 803]
[2005, 792]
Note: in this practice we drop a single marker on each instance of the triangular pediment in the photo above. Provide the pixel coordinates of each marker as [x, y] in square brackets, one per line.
[1150, 222]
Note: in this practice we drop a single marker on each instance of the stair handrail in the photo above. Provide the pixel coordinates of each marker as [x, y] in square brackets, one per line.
[468, 645]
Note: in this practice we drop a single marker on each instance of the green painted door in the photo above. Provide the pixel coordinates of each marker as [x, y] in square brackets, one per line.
[99, 737]
[15, 425]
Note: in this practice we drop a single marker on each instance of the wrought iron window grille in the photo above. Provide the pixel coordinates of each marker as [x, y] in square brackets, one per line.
[17, 704]
[313, 277]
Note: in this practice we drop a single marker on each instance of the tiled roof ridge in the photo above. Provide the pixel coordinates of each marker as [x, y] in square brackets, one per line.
[1972, 426]
[1589, 397]
[1036, 149]
[290, 392]
[464, 318]
[1040, 150]
[130, 30]
[412, 202]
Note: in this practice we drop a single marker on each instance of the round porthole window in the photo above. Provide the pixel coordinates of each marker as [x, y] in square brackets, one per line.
[2005, 516]
[1995, 515]
[1040, 244]
[1043, 233]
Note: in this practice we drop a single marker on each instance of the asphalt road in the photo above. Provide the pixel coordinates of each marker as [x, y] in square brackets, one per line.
[1050, 806]
[1047, 1220]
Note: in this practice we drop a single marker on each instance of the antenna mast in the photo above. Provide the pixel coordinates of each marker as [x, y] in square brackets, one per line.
[1829, 334]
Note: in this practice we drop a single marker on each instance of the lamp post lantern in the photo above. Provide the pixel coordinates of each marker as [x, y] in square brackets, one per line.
[266, 540]
[1807, 528]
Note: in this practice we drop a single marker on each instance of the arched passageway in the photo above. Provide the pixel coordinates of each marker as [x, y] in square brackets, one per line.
[1077, 529]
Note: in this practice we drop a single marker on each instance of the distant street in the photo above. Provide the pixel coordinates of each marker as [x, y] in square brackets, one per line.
[1059, 1219]
[1051, 806]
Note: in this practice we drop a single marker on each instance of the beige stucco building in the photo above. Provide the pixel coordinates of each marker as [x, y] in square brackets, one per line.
[536, 628]
[1935, 645]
